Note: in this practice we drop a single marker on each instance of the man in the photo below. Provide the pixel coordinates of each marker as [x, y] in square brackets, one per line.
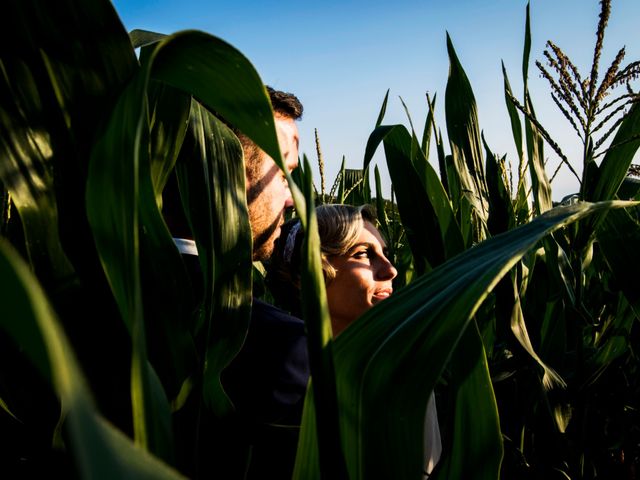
[267, 380]
[268, 195]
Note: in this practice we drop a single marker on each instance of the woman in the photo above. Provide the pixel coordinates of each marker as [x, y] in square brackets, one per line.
[357, 272]
[357, 275]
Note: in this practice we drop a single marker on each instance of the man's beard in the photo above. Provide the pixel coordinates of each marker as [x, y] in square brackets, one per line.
[264, 241]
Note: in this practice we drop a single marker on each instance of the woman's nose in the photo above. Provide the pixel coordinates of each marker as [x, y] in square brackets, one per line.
[387, 271]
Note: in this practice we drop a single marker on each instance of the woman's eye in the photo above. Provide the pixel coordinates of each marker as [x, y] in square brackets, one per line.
[361, 254]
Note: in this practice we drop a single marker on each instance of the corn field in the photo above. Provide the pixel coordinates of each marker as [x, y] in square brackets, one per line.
[522, 315]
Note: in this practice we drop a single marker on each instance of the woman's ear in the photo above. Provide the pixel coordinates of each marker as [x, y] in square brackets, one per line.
[328, 271]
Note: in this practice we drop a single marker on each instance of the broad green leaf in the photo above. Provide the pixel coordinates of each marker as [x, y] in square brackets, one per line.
[451, 235]
[476, 451]
[168, 120]
[464, 135]
[119, 158]
[211, 159]
[55, 84]
[553, 333]
[383, 385]
[223, 80]
[100, 450]
[520, 331]
[421, 225]
[315, 312]
[619, 237]
[166, 287]
[615, 164]
[374, 140]
[535, 150]
[616, 337]
[501, 215]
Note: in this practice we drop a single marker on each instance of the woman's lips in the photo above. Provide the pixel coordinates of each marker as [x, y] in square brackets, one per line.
[382, 293]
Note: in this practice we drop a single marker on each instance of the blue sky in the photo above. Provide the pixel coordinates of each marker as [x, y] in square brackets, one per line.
[340, 58]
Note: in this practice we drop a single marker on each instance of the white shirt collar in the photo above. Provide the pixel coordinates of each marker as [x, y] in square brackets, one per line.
[186, 246]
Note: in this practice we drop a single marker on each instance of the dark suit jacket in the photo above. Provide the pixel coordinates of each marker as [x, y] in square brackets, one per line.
[266, 382]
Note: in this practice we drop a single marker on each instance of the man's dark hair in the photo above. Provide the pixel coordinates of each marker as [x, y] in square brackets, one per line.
[283, 104]
[286, 104]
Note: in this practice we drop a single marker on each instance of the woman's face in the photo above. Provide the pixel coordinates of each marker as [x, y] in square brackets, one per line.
[363, 278]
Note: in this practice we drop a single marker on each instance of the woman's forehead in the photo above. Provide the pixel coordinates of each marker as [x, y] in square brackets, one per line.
[370, 235]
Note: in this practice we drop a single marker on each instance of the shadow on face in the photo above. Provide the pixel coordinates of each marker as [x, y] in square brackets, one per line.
[258, 185]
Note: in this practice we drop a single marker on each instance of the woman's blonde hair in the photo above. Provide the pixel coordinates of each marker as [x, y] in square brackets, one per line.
[339, 227]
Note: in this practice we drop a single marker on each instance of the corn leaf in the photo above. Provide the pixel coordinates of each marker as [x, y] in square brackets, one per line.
[615, 164]
[514, 117]
[55, 83]
[100, 450]
[383, 109]
[618, 237]
[473, 394]
[421, 225]
[501, 214]
[223, 80]
[464, 136]
[211, 158]
[329, 458]
[388, 361]
[114, 216]
[535, 150]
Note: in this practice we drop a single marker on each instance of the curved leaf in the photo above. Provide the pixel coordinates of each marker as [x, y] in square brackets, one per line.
[464, 135]
[315, 311]
[381, 359]
[211, 172]
[99, 449]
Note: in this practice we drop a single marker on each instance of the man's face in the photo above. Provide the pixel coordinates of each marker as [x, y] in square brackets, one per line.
[268, 194]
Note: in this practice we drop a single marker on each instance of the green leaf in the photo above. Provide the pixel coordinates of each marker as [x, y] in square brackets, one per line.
[476, 451]
[100, 450]
[429, 124]
[618, 238]
[464, 135]
[227, 83]
[167, 291]
[383, 109]
[516, 126]
[421, 225]
[615, 164]
[387, 362]
[383, 219]
[535, 150]
[223, 80]
[526, 51]
[119, 158]
[501, 214]
[212, 158]
[315, 312]
[142, 38]
[55, 85]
